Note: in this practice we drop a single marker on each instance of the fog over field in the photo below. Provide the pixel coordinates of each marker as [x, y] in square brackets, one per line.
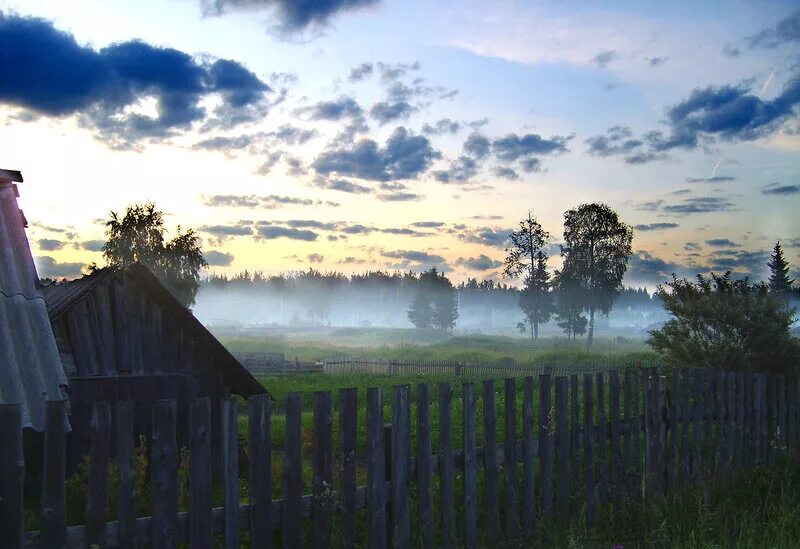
[382, 301]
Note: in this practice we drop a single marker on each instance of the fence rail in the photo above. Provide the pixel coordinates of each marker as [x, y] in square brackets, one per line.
[604, 443]
[275, 364]
[450, 367]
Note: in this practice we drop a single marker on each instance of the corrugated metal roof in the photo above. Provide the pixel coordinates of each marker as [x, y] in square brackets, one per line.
[30, 367]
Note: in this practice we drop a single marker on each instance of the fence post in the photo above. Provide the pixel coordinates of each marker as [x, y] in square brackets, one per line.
[401, 451]
[446, 466]
[164, 475]
[12, 475]
[200, 532]
[528, 460]
[545, 447]
[260, 456]
[348, 425]
[588, 445]
[602, 439]
[293, 472]
[376, 471]
[616, 465]
[510, 460]
[424, 473]
[491, 490]
[323, 469]
[100, 454]
[470, 469]
[54, 506]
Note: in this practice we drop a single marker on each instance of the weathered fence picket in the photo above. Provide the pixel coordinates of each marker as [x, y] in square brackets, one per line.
[749, 415]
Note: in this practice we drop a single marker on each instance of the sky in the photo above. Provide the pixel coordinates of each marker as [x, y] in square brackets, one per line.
[352, 135]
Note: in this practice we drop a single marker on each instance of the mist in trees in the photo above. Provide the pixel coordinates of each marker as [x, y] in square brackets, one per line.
[527, 258]
[435, 304]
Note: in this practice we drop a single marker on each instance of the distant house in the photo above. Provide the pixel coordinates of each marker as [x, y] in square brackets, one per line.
[116, 334]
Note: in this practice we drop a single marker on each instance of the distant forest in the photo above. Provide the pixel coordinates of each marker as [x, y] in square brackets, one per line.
[382, 299]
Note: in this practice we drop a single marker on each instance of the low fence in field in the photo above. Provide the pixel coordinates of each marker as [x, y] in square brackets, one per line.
[597, 444]
[450, 367]
[275, 364]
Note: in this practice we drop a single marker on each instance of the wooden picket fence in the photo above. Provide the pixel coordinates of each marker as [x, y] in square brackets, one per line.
[600, 443]
[450, 367]
[275, 364]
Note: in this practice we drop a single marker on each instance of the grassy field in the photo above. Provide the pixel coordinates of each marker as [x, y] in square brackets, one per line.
[426, 345]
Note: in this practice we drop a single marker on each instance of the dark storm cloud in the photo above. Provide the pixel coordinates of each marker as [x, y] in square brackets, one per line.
[480, 263]
[48, 267]
[485, 235]
[712, 179]
[428, 224]
[292, 15]
[700, 204]
[218, 259]
[272, 232]
[461, 170]
[415, 256]
[775, 188]
[315, 258]
[645, 268]
[708, 115]
[360, 72]
[505, 173]
[525, 150]
[399, 197]
[271, 201]
[337, 109]
[50, 244]
[604, 58]
[404, 156]
[477, 145]
[343, 186]
[224, 231]
[785, 30]
[656, 61]
[93, 245]
[63, 78]
[442, 126]
[722, 243]
[655, 226]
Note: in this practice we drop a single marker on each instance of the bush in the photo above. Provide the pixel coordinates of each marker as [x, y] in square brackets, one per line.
[721, 323]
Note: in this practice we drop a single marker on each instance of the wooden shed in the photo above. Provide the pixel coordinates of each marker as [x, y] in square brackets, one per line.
[122, 335]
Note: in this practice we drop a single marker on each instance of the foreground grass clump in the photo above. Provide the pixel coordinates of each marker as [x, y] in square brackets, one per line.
[759, 508]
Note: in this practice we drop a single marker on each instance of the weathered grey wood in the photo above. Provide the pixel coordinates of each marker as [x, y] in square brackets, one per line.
[100, 457]
[54, 505]
[401, 459]
[260, 456]
[574, 443]
[739, 427]
[781, 424]
[12, 475]
[708, 412]
[588, 445]
[602, 438]
[230, 470]
[470, 468]
[126, 474]
[424, 472]
[638, 395]
[791, 405]
[730, 419]
[673, 434]
[545, 447]
[446, 466]
[376, 471]
[293, 472]
[322, 473]
[760, 418]
[685, 424]
[562, 449]
[492, 489]
[616, 435]
[528, 460]
[697, 457]
[200, 535]
[164, 476]
[772, 408]
[719, 413]
[348, 425]
[627, 432]
[510, 461]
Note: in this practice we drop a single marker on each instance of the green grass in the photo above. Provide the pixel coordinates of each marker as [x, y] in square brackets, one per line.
[425, 345]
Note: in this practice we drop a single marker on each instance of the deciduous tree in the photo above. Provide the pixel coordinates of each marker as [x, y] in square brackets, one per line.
[597, 246]
[138, 237]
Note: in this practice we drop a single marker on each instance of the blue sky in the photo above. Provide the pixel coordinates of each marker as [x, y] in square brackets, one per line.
[360, 134]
